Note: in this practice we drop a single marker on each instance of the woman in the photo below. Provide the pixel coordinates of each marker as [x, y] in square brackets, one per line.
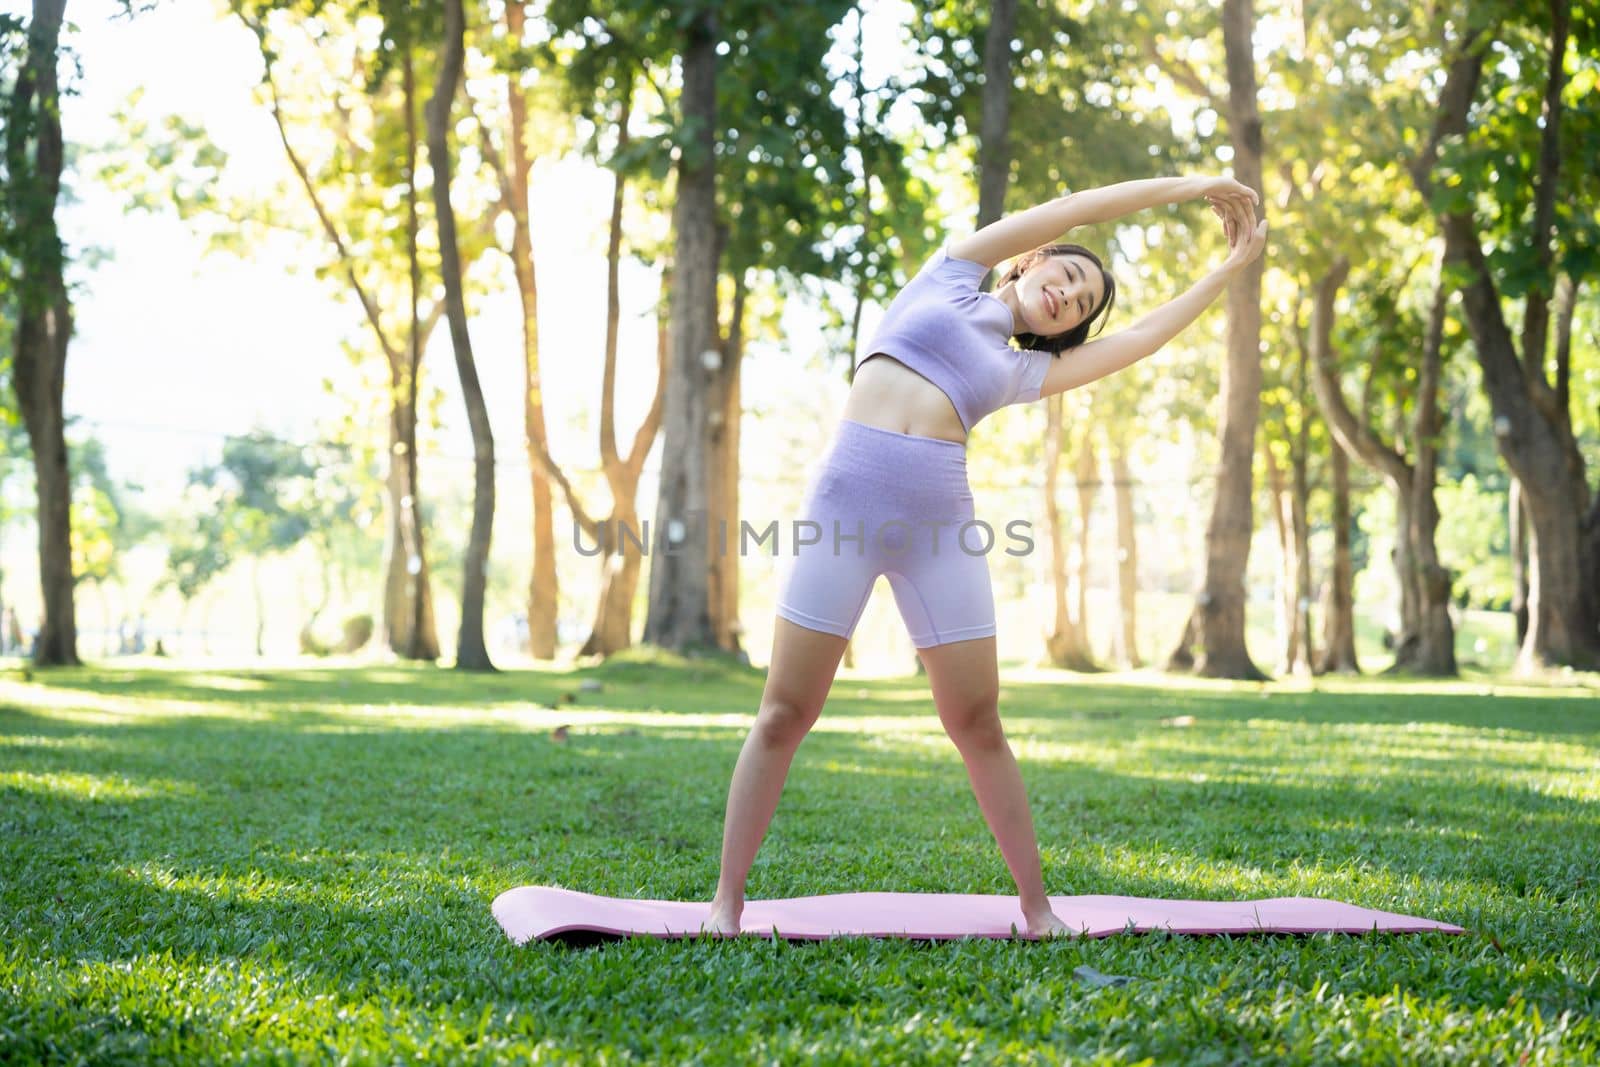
[939, 362]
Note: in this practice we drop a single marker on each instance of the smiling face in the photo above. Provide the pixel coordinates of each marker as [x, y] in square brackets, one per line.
[1058, 293]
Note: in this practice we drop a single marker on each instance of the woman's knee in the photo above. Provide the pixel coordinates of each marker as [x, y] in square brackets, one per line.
[784, 722]
[974, 722]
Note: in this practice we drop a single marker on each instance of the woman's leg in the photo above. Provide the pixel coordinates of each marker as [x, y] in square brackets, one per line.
[965, 679]
[801, 672]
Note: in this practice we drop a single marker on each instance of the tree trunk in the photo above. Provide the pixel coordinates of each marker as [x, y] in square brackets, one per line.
[1436, 653]
[725, 407]
[1299, 505]
[1064, 644]
[1540, 449]
[471, 652]
[994, 151]
[1087, 477]
[1303, 654]
[261, 606]
[1220, 606]
[622, 533]
[1181, 658]
[544, 593]
[621, 537]
[207, 602]
[309, 645]
[44, 321]
[1518, 520]
[1413, 485]
[679, 617]
[411, 630]
[1338, 611]
[1125, 649]
[618, 550]
[402, 586]
[1289, 632]
[619, 579]
[1407, 637]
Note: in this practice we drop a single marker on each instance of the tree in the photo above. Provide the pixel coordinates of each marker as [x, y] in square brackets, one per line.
[1289, 496]
[471, 654]
[339, 500]
[253, 492]
[1217, 622]
[197, 547]
[1532, 412]
[106, 522]
[1337, 179]
[1426, 643]
[782, 202]
[602, 74]
[886, 204]
[679, 617]
[513, 167]
[1338, 604]
[34, 259]
[367, 153]
[1068, 641]
[994, 167]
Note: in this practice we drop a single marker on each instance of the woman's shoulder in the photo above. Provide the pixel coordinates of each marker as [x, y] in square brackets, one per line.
[948, 277]
[941, 264]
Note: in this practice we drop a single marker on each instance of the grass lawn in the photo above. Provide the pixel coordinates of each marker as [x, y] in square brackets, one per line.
[252, 866]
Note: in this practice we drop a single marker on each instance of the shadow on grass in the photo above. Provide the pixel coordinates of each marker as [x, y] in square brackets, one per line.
[647, 681]
[366, 859]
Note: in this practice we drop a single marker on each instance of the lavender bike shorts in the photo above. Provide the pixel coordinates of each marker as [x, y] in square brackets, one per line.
[890, 503]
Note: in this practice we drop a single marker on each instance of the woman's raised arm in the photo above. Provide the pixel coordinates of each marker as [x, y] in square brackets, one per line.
[1040, 225]
[1095, 359]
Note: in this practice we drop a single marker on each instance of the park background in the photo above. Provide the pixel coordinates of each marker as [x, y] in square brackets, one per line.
[191, 326]
[254, 850]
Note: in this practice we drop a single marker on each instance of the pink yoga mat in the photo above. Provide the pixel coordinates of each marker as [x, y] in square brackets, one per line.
[536, 911]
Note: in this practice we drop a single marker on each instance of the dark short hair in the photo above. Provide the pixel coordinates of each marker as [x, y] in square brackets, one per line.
[1079, 333]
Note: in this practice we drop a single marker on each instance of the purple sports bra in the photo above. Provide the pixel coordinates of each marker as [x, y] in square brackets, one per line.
[956, 336]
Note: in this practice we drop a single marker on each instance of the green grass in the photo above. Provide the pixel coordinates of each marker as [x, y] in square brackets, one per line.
[247, 866]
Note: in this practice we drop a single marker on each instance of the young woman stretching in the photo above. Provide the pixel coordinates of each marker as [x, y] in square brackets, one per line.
[890, 494]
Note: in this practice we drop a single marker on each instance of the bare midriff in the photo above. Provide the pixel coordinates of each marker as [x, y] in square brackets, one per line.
[891, 396]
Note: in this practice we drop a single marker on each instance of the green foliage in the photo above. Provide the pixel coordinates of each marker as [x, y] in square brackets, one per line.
[352, 144]
[106, 519]
[1474, 543]
[197, 547]
[1074, 122]
[781, 158]
[253, 502]
[31, 252]
[259, 489]
[264, 496]
[172, 164]
[1493, 171]
[788, 168]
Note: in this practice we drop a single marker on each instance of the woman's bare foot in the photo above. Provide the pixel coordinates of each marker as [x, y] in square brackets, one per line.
[723, 919]
[1047, 924]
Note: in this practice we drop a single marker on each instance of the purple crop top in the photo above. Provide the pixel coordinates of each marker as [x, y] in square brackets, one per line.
[956, 336]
